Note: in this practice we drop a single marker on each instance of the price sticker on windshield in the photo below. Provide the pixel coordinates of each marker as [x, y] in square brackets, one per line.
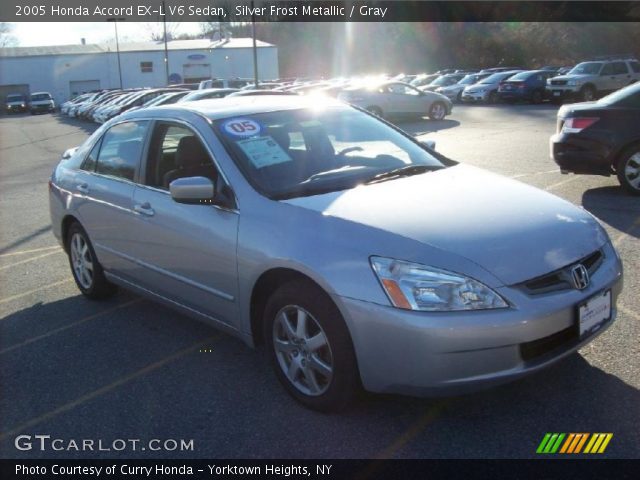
[241, 127]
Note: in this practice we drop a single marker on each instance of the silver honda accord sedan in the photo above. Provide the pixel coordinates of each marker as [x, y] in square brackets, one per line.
[357, 256]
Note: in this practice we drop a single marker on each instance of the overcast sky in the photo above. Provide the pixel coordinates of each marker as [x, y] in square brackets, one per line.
[64, 33]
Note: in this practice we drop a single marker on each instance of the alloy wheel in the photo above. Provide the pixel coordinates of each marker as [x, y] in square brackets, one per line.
[81, 260]
[632, 171]
[302, 350]
[437, 111]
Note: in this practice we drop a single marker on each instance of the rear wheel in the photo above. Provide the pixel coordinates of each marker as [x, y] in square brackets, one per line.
[86, 270]
[310, 347]
[628, 170]
[492, 98]
[437, 111]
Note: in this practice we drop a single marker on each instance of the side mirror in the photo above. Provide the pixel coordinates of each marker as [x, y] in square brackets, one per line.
[192, 190]
[430, 144]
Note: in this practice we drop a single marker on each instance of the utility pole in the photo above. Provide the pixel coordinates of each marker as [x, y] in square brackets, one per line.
[115, 23]
[255, 49]
[166, 48]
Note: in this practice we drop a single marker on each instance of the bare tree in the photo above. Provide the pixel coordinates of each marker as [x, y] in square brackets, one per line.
[6, 39]
[156, 30]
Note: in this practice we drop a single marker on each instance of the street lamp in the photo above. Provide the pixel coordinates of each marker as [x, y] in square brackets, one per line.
[115, 23]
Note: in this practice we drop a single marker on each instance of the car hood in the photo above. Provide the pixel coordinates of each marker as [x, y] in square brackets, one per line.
[575, 76]
[512, 230]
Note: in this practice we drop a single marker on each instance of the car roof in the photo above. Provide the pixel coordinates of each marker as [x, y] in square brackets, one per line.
[218, 108]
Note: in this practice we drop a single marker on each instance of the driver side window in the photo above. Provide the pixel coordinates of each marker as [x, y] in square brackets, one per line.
[176, 152]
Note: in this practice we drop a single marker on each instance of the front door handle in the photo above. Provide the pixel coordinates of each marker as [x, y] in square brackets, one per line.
[82, 188]
[144, 209]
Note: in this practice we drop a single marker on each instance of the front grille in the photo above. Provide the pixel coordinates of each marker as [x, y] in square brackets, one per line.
[537, 348]
[561, 279]
[558, 82]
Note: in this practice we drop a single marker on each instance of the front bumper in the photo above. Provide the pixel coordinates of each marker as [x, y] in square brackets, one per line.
[15, 108]
[430, 354]
[561, 92]
[474, 97]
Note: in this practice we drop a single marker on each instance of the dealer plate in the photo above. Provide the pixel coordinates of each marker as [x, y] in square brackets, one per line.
[594, 312]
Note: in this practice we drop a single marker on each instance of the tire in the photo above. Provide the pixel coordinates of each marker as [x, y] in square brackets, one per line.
[492, 98]
[459, 97]
[437, 111]
[536, 97]
[86, 270]
[628, 170]
[377, 111]
[588, 93]
[330, 385]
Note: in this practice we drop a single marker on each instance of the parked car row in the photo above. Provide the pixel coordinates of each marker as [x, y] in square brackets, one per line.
[106, 104]
[37, 102]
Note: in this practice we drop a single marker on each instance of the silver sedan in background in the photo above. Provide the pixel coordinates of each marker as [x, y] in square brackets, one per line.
[356, 255]
[396, 98]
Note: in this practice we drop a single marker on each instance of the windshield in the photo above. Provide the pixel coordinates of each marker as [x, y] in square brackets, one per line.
[586, 68]
[469, 80]
[495, 78]
[295, 153]
[40, 96]
[15, 98]
[521, 76]
[444, 81]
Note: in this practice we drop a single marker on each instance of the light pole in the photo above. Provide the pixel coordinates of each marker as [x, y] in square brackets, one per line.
[255, 49]
[166, 49]
[115, 23]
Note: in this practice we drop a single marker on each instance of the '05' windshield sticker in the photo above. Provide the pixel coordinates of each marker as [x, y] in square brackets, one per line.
[241, 127]
[263, 151]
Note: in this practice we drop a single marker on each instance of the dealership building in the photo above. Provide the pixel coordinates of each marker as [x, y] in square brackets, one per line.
[68, 70]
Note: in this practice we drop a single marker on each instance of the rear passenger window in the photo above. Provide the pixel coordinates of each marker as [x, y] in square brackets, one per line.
[620, 68]
[121, 148]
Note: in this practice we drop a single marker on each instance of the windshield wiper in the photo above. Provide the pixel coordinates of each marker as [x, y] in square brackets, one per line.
[406, 171]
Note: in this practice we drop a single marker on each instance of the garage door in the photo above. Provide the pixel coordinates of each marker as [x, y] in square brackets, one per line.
[196, 72]
[77, 87]
[7, 89]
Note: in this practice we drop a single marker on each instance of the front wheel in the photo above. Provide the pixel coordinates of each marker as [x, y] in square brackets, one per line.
[628, 170]
[86, 270]
[310, 347]
[492, 98]
[437, 111]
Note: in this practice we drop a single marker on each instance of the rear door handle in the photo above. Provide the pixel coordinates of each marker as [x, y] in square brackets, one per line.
[82, 187]
[144, 209]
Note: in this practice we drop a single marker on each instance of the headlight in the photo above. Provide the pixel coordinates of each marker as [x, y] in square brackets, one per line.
[418, 287]
[574, 83]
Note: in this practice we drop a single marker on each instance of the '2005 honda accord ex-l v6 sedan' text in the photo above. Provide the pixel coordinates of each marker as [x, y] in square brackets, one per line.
[356, 255]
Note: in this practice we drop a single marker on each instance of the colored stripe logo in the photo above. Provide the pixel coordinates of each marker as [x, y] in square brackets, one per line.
[573, 443]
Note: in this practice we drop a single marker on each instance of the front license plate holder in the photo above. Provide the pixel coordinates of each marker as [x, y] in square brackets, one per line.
[594, 312]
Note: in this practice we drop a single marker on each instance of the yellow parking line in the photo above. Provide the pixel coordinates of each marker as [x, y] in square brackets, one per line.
[71, 325]
[102, 390]
[29, 292]
[413, 431]
[4, 267]
[33, 250]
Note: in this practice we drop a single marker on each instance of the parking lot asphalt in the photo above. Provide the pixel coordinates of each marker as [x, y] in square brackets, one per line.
[130, 369]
